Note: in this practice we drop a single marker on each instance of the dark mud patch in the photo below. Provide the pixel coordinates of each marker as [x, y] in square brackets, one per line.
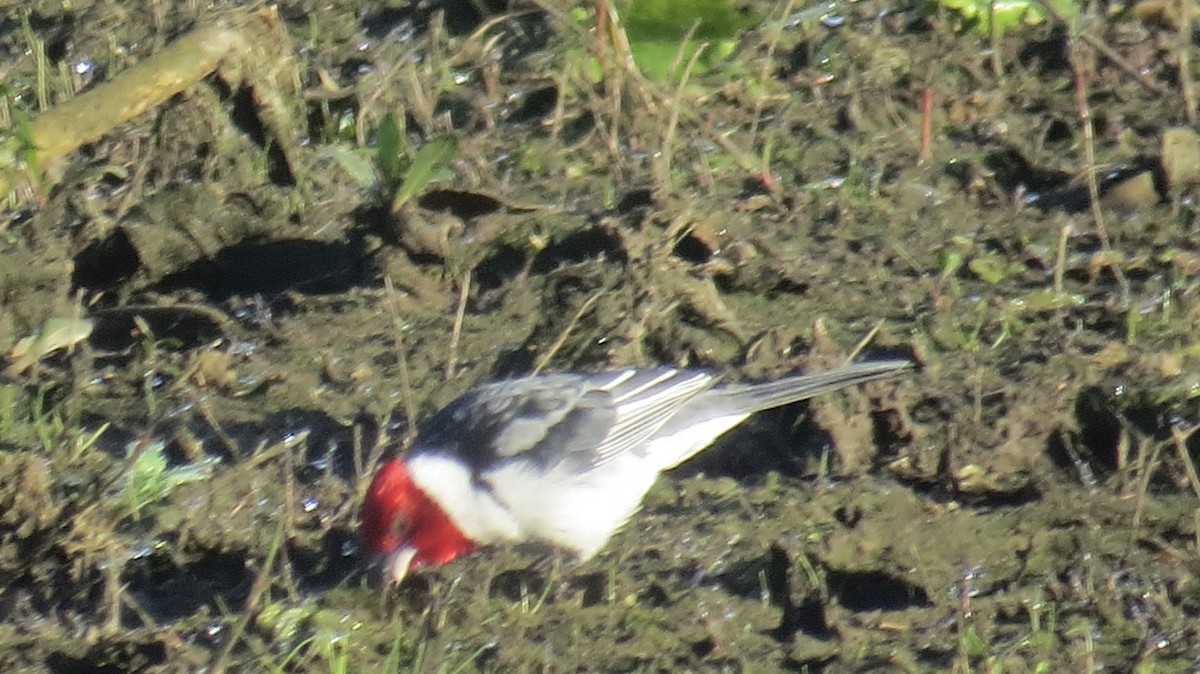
[263, 327]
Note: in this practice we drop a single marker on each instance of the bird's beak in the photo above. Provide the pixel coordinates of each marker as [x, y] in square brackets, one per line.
[396, 564]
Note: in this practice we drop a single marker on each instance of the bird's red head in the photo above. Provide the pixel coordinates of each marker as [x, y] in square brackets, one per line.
[400, 522]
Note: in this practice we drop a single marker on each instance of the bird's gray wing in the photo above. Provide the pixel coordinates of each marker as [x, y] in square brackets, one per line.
[645, 400]
[582, 419]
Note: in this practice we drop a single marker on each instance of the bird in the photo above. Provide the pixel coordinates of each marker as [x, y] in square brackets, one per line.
[561, 458]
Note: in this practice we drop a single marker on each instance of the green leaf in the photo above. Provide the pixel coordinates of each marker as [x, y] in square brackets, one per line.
[670, 20]
[1008, 14]
[657, 30]
[990, 268]
[656, 58]
[146, 483]
[389, 158]
[149, 480]
[357, 162]
[428, 166]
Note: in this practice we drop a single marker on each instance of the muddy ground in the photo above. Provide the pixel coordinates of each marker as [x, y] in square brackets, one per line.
[246, 325]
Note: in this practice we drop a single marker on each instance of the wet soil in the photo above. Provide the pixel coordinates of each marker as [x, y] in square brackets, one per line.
[248, 328]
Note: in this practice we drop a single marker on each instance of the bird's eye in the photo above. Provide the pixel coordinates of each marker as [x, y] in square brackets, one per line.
[399, 527]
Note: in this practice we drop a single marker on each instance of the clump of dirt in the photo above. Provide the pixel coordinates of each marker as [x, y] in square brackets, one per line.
[258, 324]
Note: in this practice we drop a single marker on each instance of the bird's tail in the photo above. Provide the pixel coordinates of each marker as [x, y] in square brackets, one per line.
[750, 398]
[720, 408]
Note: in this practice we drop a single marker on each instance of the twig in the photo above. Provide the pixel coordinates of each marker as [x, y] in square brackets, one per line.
[1089, 153]
[617, 44]
[1180, 438]
[862, 343]
[456, 332]
[410, 407]
[222, 46]
[113, 588]
[562, 337]
[260, 457]
[765, 73]
[356, 443]
[609, 33]
[1185, 61]
[663, 165]
[926, 154]
[1105, 50]
[288, 517]
[994, 42]
[1146, 465]
[261, 582]
[1060, 260]
[206, 413]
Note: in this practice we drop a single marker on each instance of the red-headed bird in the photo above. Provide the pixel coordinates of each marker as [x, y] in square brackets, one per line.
[560, 458]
